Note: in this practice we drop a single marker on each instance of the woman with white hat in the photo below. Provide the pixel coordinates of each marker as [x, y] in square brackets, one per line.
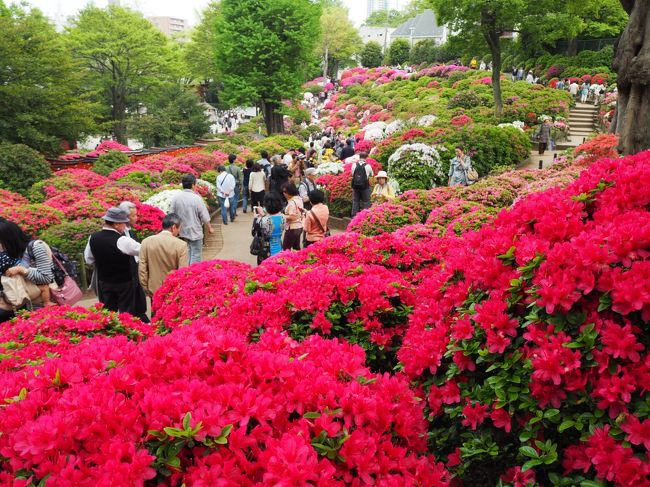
[383, 191]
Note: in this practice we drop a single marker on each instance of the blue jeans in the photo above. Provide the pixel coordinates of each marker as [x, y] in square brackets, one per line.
[244, 200]
[232, 209]
[195, 250]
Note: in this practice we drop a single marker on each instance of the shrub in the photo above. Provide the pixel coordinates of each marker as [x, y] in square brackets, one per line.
[416, 166]
[384, 218]
[162, 431]
[110, 161]
[71, 237]
[465, 99]
[21, 167]
[535, 363]
[33, 218]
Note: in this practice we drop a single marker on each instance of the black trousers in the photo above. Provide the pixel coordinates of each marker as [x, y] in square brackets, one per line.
[124, 297]
[292, 239]
[542, 148]
[257, 198]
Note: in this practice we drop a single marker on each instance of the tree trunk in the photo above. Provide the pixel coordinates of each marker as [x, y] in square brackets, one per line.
[274, 121]
[493, 38]
[572, 47]
[119, 115]
[326, 61]
[333, 69]
[632, 63]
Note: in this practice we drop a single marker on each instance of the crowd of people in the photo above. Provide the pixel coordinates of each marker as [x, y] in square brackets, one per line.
[125, 270]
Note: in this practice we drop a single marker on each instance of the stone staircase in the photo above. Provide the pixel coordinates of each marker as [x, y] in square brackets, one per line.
[582, 124]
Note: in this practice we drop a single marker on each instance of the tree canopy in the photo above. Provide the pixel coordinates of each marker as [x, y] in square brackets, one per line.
[124, 57]
[41, 99]
[264, 51]
[174, 116]
[199, 51]
[371, 55]
[398, 52]
[339, 41]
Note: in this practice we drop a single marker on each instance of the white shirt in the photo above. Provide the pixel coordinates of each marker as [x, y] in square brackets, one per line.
[225, 185]
[126, 245]
[287, 159]
[256, 181]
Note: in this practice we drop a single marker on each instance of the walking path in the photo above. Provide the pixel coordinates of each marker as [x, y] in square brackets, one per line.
[582, 124]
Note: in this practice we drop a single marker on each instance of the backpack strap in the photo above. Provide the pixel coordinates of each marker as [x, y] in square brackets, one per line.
[318, 222]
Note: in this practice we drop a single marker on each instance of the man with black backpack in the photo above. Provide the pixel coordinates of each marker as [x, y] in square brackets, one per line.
[361, 174]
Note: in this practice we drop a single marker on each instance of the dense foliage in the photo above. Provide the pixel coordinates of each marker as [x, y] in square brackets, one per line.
[42, 102]
[20, 167]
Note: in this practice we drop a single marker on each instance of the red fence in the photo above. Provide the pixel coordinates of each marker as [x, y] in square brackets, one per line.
[83, 162]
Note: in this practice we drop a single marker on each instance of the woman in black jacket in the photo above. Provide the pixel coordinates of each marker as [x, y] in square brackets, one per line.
[280, 175]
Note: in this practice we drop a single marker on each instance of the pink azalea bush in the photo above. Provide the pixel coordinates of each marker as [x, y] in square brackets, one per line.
[530, 335]
[32, 218]
[384, 218]
[48, 332]
[275, 411]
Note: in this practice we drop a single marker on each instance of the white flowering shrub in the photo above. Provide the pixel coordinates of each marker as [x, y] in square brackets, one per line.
[416, 166]
[516, 124]
[375, 131]
[395, 126]
[329, 168]
[163, 200]
[427, 120]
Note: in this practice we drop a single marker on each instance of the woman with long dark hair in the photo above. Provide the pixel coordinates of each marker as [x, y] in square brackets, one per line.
[31, 259]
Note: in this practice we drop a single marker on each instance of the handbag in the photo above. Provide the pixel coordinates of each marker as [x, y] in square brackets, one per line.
[226, 203]
[472, 174]
[18, 291]
[69, 293]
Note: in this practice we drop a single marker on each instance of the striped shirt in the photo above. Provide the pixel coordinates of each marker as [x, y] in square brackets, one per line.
[38, 261]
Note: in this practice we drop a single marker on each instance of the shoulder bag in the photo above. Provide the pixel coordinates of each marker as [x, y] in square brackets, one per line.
[18, 291]
[69, 292]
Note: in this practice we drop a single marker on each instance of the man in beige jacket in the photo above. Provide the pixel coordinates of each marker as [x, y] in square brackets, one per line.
[161, 254]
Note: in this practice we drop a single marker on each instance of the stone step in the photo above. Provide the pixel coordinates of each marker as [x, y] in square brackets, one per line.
[585, 116]
[583, 126]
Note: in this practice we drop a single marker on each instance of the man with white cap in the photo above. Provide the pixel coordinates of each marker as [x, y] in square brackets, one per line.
[307, 185]
[112, 254]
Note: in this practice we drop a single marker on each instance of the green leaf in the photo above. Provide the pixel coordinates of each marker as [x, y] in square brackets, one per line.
[592, 483]
[529, 464]
[565, 425]
[528, 451]
[186, 420]
[551, 413]
[311, 415]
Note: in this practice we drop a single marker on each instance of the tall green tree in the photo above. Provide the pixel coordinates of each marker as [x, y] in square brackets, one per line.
[571, 20]
[371, 55]
[124, 57]
[398, 52]
[339, 41]
[199, 51]
[41, 99]
[489, 19]
[264, 50]
[174, 115]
